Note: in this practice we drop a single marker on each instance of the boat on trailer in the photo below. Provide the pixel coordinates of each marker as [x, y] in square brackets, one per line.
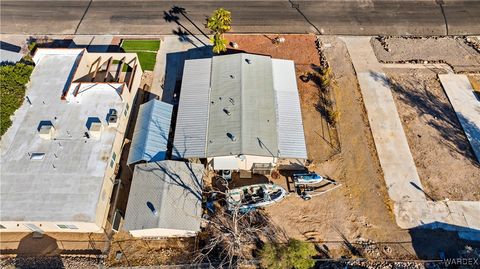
[310, 184]
[307, 178]
[250, 197]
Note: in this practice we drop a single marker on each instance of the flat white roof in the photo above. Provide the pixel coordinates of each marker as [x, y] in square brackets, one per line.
[65, 184]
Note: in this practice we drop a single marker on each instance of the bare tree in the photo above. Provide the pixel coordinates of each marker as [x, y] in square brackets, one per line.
[232, 236]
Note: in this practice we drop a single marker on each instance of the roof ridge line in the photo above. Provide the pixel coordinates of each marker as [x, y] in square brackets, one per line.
[208, 107]
[242, 137]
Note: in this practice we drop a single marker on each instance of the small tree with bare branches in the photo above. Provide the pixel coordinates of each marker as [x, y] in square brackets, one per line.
[232, 236]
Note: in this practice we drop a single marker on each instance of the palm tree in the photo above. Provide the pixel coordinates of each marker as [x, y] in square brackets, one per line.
[219, 23]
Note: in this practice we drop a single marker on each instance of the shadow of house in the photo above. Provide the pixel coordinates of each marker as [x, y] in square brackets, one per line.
[434, 240]
[9, 47]
[174, 71]
[31, 248]
[45, 42]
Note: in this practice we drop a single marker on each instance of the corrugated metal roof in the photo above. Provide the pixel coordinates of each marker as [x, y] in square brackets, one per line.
[291, 137]
[225, 95]
[259, 126]
[173, 190]
[150, 138]
[192, 116]
[239, 104]
[242, 104]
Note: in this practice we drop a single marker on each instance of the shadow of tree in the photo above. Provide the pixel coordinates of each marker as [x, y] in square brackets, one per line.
[171, 16]
[445, 120]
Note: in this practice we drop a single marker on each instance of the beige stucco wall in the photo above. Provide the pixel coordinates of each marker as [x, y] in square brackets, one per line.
[244, 163]
[46, 226]
[159, 232]
[128, 95]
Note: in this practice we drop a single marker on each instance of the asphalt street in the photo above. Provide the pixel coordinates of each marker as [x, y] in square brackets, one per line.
[342, 17]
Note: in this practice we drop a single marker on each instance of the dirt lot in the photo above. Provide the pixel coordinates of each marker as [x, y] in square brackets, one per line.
[445, 161]
[453, 51]
[136, 252]
[360, 207]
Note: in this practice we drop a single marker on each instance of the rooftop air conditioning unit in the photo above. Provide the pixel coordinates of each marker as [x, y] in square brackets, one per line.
[112, 117]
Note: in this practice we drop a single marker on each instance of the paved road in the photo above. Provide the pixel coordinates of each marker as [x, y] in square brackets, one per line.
[344, 17]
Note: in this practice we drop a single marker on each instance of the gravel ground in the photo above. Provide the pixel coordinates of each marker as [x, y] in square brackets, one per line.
[50, 262]
[453, 51]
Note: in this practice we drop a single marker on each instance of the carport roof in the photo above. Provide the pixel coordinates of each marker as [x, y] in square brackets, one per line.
[150, 137]
[165, 194]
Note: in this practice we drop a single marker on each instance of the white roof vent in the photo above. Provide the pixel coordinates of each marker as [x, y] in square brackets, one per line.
[46, 130]
[232, 137]
[227, 111]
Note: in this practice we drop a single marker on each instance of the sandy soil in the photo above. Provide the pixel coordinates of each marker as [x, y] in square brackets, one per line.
[454, 51]
[138, 252]
[445, 161]
[364, 183]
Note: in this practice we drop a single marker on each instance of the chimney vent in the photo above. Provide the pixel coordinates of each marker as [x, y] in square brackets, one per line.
[232, 137]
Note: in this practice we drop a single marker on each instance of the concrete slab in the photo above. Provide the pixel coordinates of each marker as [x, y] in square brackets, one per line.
[466, 105]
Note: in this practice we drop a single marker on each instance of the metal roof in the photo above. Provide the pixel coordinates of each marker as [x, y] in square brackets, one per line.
[242, 104]
[291, 137]
[192, 116]
[173, 191]
[150, 138]
[228, 106]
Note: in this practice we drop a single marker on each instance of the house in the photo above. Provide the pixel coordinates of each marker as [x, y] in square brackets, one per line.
[240, 112]
[151, 135]
[165, 200]
[9, 53]
[59, 159]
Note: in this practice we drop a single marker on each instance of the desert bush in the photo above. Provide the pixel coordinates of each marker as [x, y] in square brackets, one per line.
[294, 254]
[332, 116]
[12, 91]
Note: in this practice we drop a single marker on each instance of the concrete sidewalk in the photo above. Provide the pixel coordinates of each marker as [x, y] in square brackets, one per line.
[466, 106]
[411, 207]
[99, 43]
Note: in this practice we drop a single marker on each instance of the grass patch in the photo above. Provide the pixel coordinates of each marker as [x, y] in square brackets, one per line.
[139, 45]
[147, 59]
[12, 91]
[146, 51]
